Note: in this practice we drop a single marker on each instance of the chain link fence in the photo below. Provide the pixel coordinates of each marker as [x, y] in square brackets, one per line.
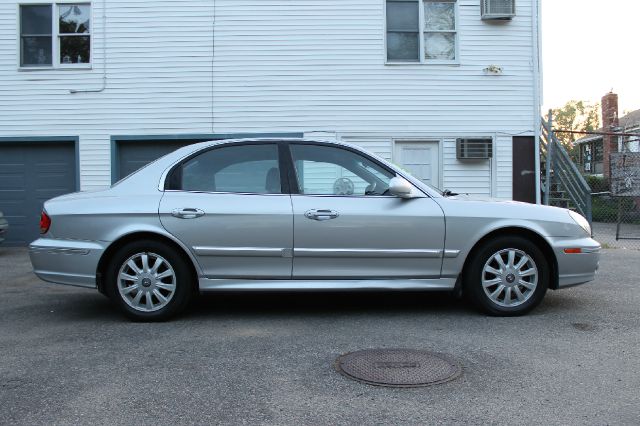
[616, 220]
[615, 203]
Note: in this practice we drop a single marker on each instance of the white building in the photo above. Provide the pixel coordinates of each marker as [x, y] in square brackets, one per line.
[89, 91]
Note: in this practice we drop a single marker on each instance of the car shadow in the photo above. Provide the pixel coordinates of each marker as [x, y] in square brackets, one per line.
[83, 306]
[322, 303]
[80, 305]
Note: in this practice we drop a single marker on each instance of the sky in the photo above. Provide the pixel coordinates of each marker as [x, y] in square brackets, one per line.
[588, 48]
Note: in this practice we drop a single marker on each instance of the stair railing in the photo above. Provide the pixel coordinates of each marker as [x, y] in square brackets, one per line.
[560, 169]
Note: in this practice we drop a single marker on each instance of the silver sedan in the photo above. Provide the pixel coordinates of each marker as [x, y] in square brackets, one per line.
[302, 215]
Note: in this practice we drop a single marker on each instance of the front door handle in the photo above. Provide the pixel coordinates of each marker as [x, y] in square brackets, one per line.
[187, 213]
[321, 214]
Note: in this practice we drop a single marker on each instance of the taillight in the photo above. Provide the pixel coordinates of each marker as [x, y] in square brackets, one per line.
[45, 223]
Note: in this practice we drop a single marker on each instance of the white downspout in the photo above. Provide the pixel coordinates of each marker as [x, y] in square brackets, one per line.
[537, 84]
[213, 65]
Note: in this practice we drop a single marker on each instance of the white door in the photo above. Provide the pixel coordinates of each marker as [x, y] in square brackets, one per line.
[421, 159]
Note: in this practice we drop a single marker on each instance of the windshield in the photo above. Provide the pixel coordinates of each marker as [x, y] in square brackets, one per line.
[435, 188]
[431, 186]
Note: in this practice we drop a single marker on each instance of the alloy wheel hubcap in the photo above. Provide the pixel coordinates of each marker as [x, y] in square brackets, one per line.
[146, 282]
[509, 277]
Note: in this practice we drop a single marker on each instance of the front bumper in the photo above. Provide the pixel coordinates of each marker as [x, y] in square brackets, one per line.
[70, 262]
[576, 268]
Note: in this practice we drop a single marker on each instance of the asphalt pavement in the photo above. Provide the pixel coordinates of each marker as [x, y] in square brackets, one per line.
[68, 357]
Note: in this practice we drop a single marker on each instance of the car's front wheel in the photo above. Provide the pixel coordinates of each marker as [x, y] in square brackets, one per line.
[506, 276]
[149, 281]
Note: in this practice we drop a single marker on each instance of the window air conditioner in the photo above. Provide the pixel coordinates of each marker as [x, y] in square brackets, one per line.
[474, 149]
[497, 9]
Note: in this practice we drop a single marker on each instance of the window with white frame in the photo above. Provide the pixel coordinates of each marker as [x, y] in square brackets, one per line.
[421, 31]
[55, 35]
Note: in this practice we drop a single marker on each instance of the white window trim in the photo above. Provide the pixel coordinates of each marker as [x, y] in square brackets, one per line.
[55, 36]
[421, 28]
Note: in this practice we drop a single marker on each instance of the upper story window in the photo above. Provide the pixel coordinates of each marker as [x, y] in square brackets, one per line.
[55, 35]
[422, 31]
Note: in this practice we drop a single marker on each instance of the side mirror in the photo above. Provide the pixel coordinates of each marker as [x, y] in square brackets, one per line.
[400, 187]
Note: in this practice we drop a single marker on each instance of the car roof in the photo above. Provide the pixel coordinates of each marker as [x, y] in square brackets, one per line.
[205, 144]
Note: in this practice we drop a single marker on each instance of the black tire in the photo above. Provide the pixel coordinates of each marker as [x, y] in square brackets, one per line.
[184, 280]
[474, 291]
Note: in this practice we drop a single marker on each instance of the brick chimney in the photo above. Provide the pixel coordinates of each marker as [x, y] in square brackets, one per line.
[610, 123]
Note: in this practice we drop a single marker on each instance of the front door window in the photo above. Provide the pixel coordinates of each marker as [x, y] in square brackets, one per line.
[326, 170]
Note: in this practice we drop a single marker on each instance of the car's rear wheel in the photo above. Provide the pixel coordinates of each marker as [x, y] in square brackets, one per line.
[149, 281]
[506, 276]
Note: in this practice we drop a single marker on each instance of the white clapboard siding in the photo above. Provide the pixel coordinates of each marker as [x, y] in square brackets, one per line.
[320, 63]
[253, 66]
[465, 176]
[158, 80]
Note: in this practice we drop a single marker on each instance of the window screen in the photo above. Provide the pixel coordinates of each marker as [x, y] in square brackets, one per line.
[35, 35]
[421, 31]
[74, 26]
[55, 35]
[402, 31]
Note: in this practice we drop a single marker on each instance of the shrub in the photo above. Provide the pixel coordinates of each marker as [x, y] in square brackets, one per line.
[605, 209]
[598, 183]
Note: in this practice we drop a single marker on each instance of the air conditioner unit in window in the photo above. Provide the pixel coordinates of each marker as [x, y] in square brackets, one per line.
[474, 149]
[497, 9]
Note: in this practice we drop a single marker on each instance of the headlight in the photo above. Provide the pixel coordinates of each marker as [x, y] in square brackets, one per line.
[581, 221]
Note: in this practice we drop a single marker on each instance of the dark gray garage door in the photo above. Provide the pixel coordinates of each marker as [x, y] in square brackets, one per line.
[30, 174]
[134, 152]
[132, 155]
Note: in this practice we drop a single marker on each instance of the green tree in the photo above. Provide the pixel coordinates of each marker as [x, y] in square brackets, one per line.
[579, 116]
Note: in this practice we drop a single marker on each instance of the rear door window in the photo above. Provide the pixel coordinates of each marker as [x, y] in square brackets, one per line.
[236, 168]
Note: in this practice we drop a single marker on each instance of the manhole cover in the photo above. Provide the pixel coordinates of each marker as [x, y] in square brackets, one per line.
[398, 367]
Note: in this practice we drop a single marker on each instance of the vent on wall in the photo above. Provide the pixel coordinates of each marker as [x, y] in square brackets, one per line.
[474, 149]
[497, 9]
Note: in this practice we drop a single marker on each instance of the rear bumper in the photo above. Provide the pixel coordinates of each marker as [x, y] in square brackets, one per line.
[576, 268]
[4, 225]
[68, 262]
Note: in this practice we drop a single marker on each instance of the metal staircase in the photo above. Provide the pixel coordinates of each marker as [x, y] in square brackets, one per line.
[562, 183]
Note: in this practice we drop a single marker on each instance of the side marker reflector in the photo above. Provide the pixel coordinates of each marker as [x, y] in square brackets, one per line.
[573, 250]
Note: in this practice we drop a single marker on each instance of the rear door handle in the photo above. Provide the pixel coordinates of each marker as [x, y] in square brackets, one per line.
[321, 214]
[187, 213]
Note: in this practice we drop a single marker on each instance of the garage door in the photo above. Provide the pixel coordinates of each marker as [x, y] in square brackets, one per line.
[134, 152]
[30, 174]
[132, 155]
